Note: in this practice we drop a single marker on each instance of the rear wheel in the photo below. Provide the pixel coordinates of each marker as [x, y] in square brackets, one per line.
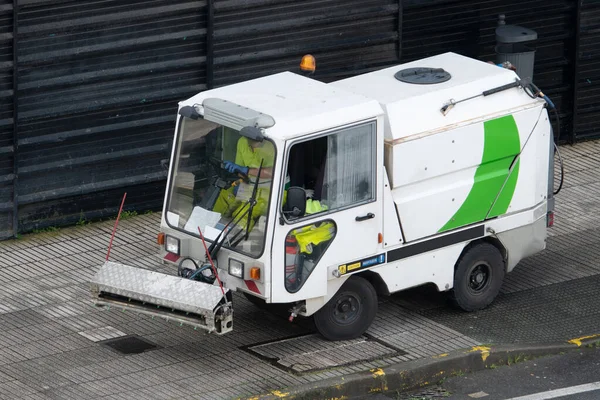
[350, 312]
[478, 277]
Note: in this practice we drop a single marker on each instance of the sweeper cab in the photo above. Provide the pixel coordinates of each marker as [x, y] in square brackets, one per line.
[326, 196]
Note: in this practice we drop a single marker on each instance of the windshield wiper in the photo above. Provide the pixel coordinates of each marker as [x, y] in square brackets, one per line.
[253, 200]
[218, 243]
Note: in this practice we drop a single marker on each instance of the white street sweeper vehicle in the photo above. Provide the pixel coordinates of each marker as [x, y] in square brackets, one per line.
[322, 196]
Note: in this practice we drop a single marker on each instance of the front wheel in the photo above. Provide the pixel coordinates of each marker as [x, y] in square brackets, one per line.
[478, 277]
[350, 312]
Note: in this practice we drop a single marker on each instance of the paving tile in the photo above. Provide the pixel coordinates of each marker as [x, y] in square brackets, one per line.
[73, 392]
[35, 396]
[6, 377]
[103, 333]
[14, 389]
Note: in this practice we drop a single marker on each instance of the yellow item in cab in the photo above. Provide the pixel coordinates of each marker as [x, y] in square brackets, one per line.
[313, 235]
[314, 206]
[259, 209]
[226, 202]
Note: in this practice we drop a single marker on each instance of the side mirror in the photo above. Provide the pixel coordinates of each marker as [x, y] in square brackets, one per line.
[189, 112]
[295, 204]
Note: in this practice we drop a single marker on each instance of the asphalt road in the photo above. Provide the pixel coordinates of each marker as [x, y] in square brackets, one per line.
[573, 376]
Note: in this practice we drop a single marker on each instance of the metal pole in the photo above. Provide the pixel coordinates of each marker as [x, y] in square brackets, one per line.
[210, 11]
[15, 119]
[112, 236]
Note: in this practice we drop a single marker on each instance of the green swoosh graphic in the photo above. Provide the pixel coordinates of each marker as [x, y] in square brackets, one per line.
[501, 145]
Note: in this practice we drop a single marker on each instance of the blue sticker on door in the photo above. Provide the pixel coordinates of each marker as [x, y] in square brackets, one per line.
[365, 263]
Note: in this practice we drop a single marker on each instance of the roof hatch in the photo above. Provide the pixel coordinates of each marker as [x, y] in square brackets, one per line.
[422, 75]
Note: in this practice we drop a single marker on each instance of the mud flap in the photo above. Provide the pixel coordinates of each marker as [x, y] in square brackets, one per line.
[169, 297]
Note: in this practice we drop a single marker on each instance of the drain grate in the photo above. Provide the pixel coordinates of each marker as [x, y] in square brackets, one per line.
[129, 345]
[311, 353]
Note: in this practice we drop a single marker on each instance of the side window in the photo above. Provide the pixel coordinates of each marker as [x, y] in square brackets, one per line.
[336, 171]
[304, 247]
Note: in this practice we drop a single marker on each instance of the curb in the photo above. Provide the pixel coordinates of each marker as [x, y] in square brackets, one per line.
[414, 374]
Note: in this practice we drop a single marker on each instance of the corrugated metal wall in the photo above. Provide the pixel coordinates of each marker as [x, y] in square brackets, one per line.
[7, 113]
[98, 84]
[98, 81]
[252, 38]
[587, 96]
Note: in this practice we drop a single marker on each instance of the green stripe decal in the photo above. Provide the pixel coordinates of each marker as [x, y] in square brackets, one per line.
[501, 146]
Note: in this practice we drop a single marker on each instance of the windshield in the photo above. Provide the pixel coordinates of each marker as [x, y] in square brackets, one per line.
[214, 175]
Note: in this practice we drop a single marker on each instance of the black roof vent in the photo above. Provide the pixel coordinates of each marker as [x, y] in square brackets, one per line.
[422, 76]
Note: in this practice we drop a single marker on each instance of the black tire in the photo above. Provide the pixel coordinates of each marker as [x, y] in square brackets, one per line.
[350, 312]
[478, 276]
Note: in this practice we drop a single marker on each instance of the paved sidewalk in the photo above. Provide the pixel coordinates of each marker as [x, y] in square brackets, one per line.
[52, 338]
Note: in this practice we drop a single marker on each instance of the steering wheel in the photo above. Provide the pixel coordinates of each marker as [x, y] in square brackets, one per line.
[226, 175]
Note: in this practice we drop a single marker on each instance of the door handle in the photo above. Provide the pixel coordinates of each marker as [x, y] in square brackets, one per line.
[365, 217]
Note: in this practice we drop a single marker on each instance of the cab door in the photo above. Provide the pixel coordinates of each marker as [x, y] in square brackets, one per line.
[341, 172]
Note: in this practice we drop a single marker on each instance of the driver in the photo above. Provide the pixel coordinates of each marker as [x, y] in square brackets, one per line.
[249, 154]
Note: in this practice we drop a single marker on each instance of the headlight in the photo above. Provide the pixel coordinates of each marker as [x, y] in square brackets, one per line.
[236, 268]
[172, 244]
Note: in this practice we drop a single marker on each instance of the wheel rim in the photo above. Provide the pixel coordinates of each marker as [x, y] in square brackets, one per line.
[346, 309]
[479, 278]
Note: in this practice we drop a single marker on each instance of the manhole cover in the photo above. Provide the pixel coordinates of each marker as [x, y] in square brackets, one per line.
[311, 353]
[129, 345]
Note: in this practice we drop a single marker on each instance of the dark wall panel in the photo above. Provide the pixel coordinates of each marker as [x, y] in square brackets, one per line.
[7, 112]
[260, 37]
[99, 83]
[587, 122]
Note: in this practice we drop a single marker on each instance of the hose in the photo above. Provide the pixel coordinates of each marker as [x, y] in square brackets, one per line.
[562, 170]
[533, 91]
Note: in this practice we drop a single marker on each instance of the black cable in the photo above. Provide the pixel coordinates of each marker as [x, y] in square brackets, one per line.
[562, 170]
[556, 138]
[533, 91]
